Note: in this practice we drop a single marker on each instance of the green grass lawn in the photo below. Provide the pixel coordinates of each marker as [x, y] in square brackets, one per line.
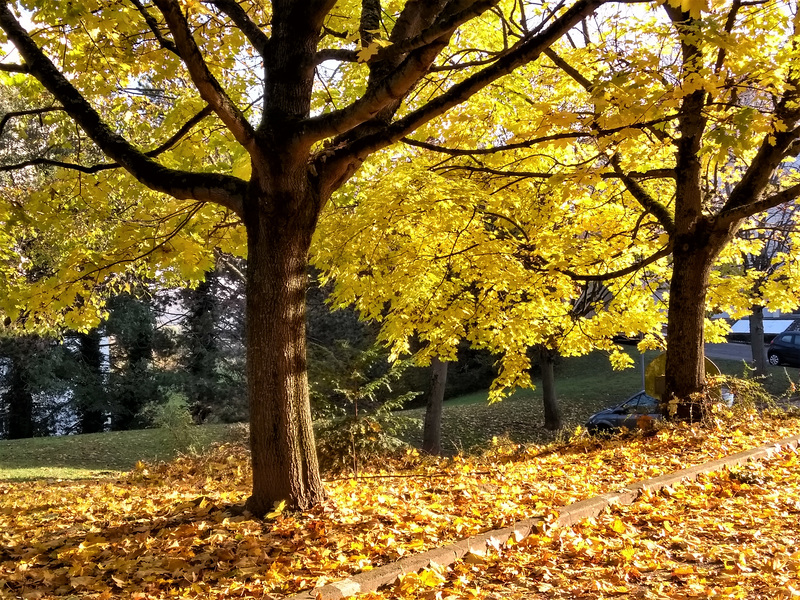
[90, 455]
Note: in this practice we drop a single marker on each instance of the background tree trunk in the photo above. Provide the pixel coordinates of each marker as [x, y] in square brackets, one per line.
[552, 413]
[757, 340]
[19, 400]
[91, 391]
[432, 432]
[281, 436]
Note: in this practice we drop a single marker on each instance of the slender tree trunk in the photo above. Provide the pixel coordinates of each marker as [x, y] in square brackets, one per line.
[552, 413]
[90, 393]
[281, 436]
[757, 340]
[432, 433]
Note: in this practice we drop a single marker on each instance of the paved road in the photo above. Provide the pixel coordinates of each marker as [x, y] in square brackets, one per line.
[730, 351]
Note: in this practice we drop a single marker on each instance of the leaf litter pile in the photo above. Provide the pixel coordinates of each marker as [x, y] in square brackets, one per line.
[173, 530]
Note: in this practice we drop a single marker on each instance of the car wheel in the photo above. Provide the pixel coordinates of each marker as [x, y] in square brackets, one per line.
[774, 359]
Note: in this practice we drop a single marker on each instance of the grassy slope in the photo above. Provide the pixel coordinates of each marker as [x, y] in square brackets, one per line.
[584, 384]
[79, 456]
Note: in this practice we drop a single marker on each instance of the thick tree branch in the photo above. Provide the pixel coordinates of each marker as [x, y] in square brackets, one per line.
[568, 69]
[663, 253]
[421, 50]
[747, 210]
[338, 165]
[206, 187]
[636, 175]
[339, 54]
[650, 204]
[89, 169]
[208, 86]
[10, 68]
[249, 28]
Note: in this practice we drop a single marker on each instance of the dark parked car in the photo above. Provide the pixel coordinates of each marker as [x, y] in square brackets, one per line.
[785, 349]
[637, 409]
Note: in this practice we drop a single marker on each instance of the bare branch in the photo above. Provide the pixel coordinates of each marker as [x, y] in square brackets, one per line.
[206, 187]
[208, 86]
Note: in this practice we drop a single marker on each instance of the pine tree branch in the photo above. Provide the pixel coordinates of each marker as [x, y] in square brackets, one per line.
[206, 187]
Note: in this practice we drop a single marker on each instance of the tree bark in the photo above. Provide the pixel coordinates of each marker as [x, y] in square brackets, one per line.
[432, 432]
[552, 413]
[693, 257]
[281, 436]
[757, 340]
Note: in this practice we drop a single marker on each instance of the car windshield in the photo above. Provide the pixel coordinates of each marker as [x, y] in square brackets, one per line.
[640, 403]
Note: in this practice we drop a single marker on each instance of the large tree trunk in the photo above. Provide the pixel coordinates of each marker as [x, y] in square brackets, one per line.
[552, 413]
[281, 436]
[757, 340]
[432, 433]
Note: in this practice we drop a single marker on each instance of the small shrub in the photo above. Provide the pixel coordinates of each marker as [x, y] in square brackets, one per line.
[174, 416]
[361, 423]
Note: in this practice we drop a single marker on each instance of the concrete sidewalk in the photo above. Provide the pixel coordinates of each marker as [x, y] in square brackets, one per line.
[371, 580]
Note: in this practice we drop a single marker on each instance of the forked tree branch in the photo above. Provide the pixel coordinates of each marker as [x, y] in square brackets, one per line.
[153, 25]
[90, 169]
[421, 50]
[338, 165]
[650, 204]
[225, 190]
[210, 89]
[567, 135]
